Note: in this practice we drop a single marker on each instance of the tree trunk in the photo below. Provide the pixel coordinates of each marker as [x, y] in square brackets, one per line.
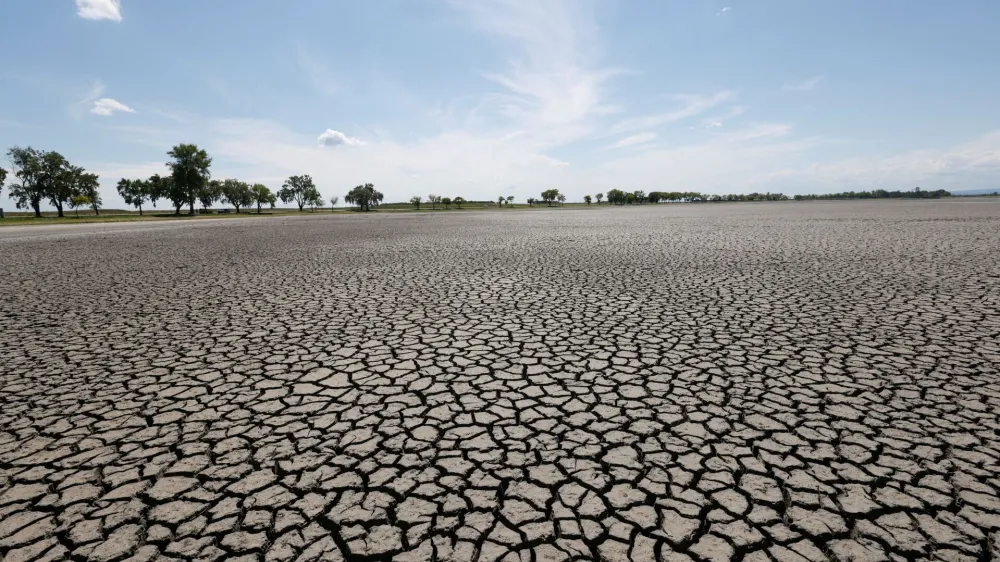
[38, 209]
[59, 208]
[258, 208]
[140, 210]
[191, 212]
[97, 212]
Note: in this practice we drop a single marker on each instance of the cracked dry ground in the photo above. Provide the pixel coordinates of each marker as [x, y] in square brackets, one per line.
[718, 382]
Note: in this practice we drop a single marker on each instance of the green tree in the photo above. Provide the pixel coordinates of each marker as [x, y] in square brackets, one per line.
[88, 185]
[458, 201]
[531, 201]
[364, 196]
[79, 201]
[165, 188]
[640, 196]
[586, 199]
[446, 201]
[209, 194]
[133, 192]
[57, 178]
[616, 197]
[26, 166]
[315, 200]
[600, 197]
[189, 171]
[550, 195]
[237, 193]
[500, 201]
[333, 201]
[262, 196]
[510, 200]
[300, 189]
[415, 201]
[562, 199]
[434, 200]
[3, 177]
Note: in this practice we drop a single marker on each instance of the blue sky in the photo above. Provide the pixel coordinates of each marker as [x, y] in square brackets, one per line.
[489, 97]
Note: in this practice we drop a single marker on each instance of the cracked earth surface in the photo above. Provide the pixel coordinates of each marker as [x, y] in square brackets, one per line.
[718, 382]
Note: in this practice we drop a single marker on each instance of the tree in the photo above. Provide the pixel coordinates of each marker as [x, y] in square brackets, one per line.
[364, 196]
[300, 189]
[333, 201]
[26, 166]
[616, 197]
[3, 177]
[209, 194]
[57, 179]
[315, 200]
[640, 196]
[458, 201]
[237, 193]
[262, 196]
[586, 199]
[190, 175]
[165, 188]
[510, 200]
[415, 201]
[88, 185]
[434, 200]
[446, 201]
[531, 201]
[133, 192]
[600, 197]
[562, 199]
[78, 201]
[550, 195]
[500, 201]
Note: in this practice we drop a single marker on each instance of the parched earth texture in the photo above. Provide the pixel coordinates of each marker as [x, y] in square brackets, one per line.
[789, 381]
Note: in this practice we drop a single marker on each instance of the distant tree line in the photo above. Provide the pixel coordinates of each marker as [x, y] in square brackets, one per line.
[917, 193]
[43, 176]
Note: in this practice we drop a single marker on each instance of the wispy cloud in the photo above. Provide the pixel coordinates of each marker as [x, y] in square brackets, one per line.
[554, 88]
[107, 106]
[691, 105]
[805, 85]
[336, 138]
[724, 11]
[317, 72]
[634, 140]
[99, 9]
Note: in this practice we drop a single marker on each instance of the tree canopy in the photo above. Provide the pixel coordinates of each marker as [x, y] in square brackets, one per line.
[364, 196]
[237, 193]
[133, 192]
[550, 195]
[189, 171]
[300, 189]
[262, 196]
[43, 175]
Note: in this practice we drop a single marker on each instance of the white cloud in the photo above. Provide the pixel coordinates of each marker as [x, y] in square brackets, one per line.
[554, 90]
[108, 106]
[723, 11]
[633, 140]
[692, 105]
[99, 9]
[805, 85]
[336, 138]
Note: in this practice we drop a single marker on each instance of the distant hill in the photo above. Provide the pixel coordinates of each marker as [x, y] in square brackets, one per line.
[976, 192]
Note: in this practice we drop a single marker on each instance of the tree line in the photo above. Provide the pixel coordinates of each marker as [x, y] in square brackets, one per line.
[917, 193]
[48, 176]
